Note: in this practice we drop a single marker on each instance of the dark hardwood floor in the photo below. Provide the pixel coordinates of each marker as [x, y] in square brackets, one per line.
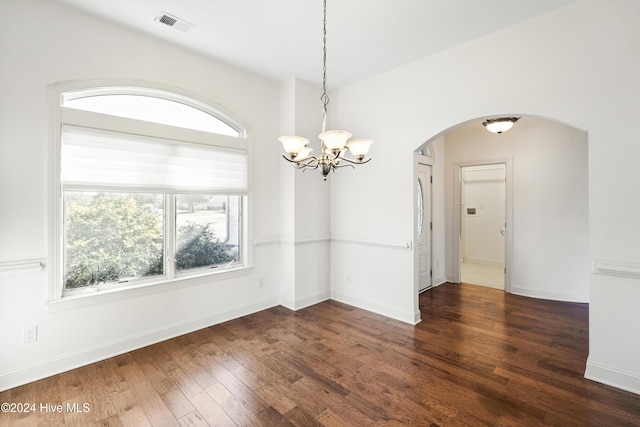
[480, 357]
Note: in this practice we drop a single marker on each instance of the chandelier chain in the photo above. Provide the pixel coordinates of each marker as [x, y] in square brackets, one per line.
[324, 98]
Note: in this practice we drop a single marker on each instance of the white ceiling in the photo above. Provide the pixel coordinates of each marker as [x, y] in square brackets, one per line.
[281, 39]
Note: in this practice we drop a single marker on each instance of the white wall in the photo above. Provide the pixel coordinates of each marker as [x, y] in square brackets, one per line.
[577, 65]
[42, 43]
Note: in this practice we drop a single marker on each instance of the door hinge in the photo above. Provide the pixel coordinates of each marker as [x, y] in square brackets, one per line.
[431, 272]
[431, 226]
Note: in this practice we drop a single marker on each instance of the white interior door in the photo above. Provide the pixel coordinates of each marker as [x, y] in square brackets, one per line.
[424, 227]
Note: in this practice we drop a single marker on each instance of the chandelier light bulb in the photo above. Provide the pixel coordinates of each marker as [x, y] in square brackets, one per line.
[359, 147]
[293, 144]
[335, 139]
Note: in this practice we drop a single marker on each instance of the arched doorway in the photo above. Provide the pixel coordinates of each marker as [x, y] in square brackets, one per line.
[549, 234]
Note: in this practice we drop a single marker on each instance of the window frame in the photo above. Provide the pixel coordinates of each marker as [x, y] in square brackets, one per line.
[61, 116]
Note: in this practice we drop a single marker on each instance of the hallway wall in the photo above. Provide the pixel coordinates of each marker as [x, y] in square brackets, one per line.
[483, 214]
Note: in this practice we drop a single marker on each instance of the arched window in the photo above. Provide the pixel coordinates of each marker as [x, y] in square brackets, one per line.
[152, 106]
[152, 185]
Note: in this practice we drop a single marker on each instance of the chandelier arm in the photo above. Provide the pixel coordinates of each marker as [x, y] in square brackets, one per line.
[334, 166]
[306, 167]
[288, 159]
[309, 162]
[356, 162]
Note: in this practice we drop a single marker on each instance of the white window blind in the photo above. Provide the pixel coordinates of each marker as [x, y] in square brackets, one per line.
[98, 159]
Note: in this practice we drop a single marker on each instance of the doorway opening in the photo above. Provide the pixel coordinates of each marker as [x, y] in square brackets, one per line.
[483, 225]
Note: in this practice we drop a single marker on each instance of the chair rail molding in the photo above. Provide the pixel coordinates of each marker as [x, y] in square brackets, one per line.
[358, 240]
[22, 266]
[617, 268]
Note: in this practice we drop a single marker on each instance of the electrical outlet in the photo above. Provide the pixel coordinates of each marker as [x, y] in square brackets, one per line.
[30, 333]
[260, 282]
[348, 277]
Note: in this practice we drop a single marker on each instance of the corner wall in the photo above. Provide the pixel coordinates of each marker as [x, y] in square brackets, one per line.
[304, 201]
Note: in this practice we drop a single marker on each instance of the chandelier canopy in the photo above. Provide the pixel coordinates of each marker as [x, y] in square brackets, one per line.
[333, 143]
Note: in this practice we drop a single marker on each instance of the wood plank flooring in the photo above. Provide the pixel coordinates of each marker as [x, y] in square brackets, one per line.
[480, 357]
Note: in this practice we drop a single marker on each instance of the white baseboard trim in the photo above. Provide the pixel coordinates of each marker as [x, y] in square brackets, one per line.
[312, 300]
[66, 362]
[490, 285]
[613, 377]
[439, 281]
[305, 302]
[485, 261]
[550, 295]
[412, 318]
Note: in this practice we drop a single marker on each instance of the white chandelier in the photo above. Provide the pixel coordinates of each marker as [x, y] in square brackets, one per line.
[334, 143]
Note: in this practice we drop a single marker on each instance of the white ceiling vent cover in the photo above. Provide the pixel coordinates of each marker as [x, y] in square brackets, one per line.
[175, 22]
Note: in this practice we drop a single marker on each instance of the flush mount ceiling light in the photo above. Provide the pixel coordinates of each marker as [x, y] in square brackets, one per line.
[500, 125]
[333, 143]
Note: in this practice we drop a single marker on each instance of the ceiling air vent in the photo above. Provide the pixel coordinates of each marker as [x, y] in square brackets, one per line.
[173, 21]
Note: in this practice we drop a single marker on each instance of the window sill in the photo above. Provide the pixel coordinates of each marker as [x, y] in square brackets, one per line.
[73, 302]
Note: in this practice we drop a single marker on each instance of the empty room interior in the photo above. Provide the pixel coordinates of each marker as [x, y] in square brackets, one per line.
[310, 213]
